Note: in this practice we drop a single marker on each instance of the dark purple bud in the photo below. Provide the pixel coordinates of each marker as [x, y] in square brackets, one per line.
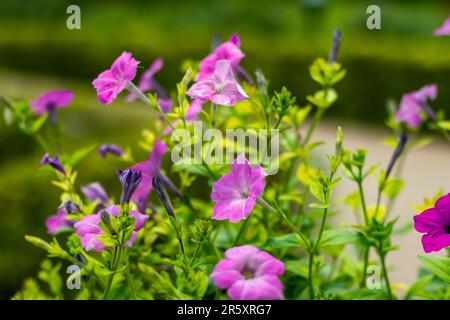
[106, 148]
[336, 45]
[130, 181]
[163, 196]
[70, 207]
[170, 186]
[106, 219]
[402, 139]
[55, 163]
[95, 192]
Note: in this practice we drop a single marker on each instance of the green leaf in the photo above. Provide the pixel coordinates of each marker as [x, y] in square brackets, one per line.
[286, 241]
[335, 237]
[444, 125]
[418, 286]
[393, 187]
[319, 205]
[439, 266]
[316, 190]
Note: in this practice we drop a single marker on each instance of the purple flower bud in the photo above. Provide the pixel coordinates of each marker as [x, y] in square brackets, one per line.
[130, 181]
[106, 148]
[335, 48]
[402, 139]
[70, 207]
[163, 196]
[55, 163]
[95, 192]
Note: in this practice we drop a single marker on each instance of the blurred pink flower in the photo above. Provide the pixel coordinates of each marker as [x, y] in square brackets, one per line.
[227, 51]
[111, 82]
[221, 88]
[413, 102]
[51, 100]
[89, 230]
[249, 274]
[435, 223]
[149, 169]
[58, 222]
[444, 30]
[236, 192]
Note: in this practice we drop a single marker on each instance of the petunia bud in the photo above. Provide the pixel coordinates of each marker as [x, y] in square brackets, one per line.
[106, 219]
[53, 162]
[130, 180]
[402, 139]
[335, 48]
[70, 207]
[106, 148]
[163, 196]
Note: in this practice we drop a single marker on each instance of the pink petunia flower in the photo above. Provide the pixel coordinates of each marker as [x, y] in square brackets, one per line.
[413, 102]
[147, 83]
[149, 169]
[51, 100]
[435, 223]
[227, 51]
[444, 30]
[58, 222]
[249, 274]
[221, 88]
[236, 192]
[88, 228]
[111, 82]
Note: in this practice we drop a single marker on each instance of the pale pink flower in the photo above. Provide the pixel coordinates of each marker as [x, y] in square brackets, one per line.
[413, 102]
[227, 51]
[221, 88]
[444, 30]
[249, 274]
[111, 82]
[236, 192]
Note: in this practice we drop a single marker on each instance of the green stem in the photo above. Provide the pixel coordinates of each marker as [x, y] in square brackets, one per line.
[385, 274]
[363, 201]
[310, 276]
[291, 226]
[240, 233]
[365, 264]
[108, 286]
[130, 282]
[117, 255]
[313, 125]
[213, 114]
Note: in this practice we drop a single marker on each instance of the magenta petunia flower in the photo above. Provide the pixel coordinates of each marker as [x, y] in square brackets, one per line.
[227, 51]
[249, 274]
[412, 103]
[55, 163]
[111, 82]
[444, 30]
[149, 169]
[147, 83]
[236, 192]
[88, 228]
[58, 222]
[435, 223]
[51, 100]
[221, 88]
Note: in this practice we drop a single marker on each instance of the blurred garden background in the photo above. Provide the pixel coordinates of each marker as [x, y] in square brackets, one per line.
[283, 37]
